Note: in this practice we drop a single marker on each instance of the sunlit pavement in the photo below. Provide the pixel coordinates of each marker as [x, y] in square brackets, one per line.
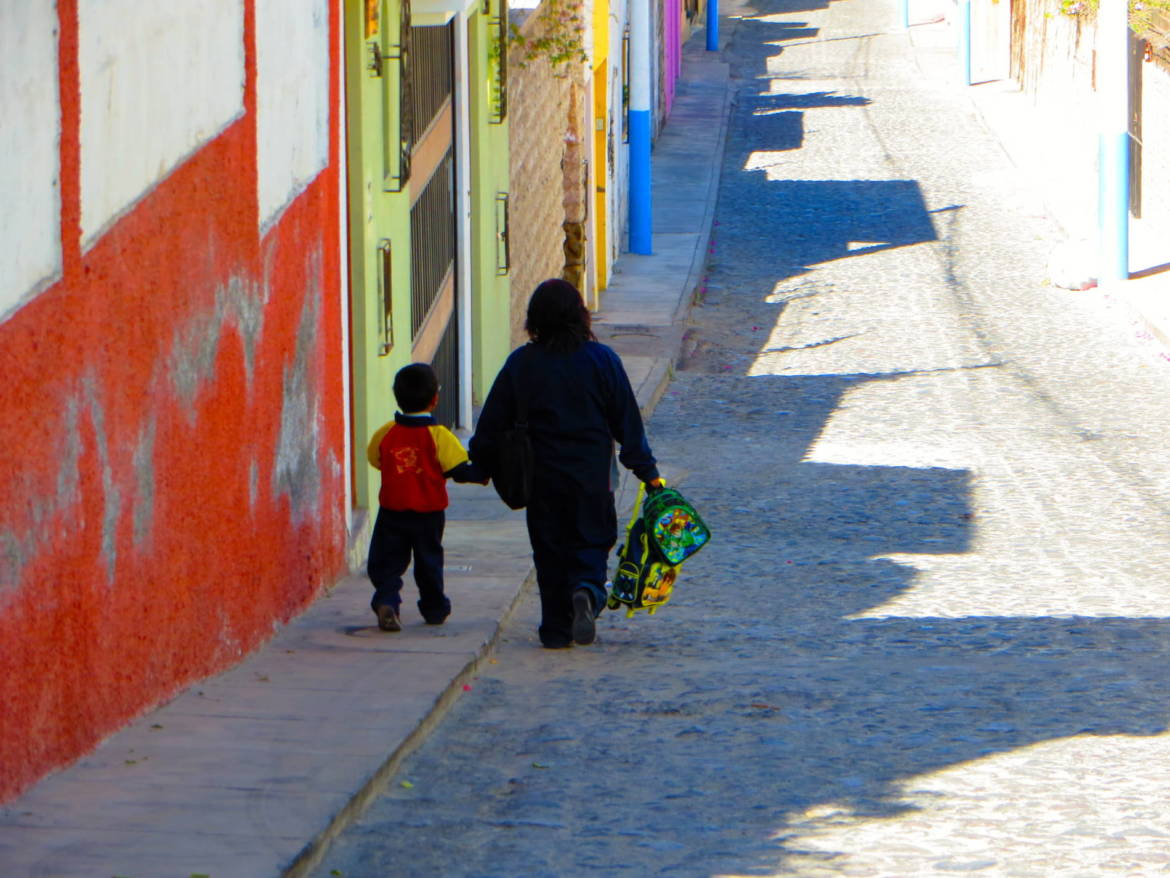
[932, 631]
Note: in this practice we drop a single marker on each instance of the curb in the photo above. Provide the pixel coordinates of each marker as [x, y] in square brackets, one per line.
[314, 851]
[652, 389]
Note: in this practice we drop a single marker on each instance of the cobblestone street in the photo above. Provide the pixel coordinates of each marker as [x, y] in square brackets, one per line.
[932, 631]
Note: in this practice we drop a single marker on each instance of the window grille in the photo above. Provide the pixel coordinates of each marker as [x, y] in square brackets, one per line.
[432, 241]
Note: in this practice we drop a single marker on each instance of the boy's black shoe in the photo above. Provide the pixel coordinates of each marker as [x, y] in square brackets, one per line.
[435, 615]
[584, 629]
[388, 618]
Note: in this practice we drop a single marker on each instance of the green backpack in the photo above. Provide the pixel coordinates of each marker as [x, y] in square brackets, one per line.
[663, 532]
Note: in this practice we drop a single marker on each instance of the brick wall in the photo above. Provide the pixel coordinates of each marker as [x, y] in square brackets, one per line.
[538, 117]
[546, 110]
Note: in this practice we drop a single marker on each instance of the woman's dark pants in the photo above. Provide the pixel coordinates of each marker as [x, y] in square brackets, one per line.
[398, 536]
[572, 534]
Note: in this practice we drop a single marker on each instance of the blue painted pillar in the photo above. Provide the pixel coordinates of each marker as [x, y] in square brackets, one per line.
[1113, 139]
[712, 25]
[964, 22]
[640, 201]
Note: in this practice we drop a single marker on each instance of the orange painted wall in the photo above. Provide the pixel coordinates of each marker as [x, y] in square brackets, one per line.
[172, 425]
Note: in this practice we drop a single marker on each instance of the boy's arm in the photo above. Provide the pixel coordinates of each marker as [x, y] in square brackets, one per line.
[467, 472]
[453, 458]
[373, 455]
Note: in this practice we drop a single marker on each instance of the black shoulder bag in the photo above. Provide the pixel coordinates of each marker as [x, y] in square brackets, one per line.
[512, 469]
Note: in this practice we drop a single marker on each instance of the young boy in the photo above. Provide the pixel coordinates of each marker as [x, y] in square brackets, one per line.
[416, 455]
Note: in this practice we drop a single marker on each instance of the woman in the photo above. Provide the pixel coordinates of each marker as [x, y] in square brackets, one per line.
[579, 402]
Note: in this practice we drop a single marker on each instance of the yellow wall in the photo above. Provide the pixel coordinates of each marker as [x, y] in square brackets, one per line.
[601, 170]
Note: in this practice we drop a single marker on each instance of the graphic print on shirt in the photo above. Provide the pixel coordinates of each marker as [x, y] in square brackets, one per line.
[406, 460]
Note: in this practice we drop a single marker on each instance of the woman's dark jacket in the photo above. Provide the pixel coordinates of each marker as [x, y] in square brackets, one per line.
[579, 403]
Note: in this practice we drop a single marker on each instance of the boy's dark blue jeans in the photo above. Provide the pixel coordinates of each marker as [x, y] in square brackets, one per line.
[399, 536]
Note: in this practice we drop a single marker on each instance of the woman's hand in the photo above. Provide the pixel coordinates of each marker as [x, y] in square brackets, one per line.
[656, 484]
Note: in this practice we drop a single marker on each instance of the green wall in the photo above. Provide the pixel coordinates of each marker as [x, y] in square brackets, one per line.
[377, 215]
[489, 173]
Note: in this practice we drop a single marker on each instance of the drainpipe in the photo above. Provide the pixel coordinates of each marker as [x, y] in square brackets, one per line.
[713, 25]
[640, 204]
[1113, 139]
[343, 288]
[964, 14]
[464, 225]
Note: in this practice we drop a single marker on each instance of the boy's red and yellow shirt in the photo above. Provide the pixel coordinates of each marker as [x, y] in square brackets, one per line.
[414, 454]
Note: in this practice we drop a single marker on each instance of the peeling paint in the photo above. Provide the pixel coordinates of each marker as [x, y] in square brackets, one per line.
[192, 358]
[111, 492]
[229, 641]
[297, 473]
[145, 479]
[69, 472]
[253, 484]
[19, 548]
[191, 366]
[13, 557]
[195, 348]
[248, 309]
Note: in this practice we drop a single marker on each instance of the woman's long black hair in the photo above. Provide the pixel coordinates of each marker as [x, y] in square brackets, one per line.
[558, 318]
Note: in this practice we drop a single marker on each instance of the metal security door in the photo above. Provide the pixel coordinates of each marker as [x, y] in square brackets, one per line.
[433, 275]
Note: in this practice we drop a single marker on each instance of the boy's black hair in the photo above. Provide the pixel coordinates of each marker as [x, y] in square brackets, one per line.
[414, 387]
[558, 318]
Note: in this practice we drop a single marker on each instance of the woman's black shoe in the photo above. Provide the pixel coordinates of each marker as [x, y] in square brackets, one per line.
[584, 629]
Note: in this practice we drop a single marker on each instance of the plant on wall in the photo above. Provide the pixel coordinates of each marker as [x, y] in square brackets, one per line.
[558, 36]
[1150, 16]
[1143, 14]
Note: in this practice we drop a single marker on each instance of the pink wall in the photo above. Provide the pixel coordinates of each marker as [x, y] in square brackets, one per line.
[671, 49]
[172, 421]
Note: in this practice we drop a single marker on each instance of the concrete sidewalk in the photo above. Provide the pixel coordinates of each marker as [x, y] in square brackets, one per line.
[252, 772]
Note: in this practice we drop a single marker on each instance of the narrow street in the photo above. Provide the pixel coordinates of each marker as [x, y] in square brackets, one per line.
[932, 631]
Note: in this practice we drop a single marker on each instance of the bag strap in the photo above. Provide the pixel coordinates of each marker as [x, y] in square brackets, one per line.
[638, 510]
[521, 399]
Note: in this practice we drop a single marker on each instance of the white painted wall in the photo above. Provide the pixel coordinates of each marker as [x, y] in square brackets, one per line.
[158, 80]
[292, 83]
[30, 127]
[617, 186]
[619, 230]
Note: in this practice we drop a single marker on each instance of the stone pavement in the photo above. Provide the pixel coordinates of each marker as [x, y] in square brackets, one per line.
[250, 773]
[931, 632]
[1055, 152]
[253, 772]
